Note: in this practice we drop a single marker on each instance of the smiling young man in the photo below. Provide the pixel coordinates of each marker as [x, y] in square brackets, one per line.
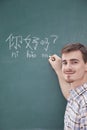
[71, 70]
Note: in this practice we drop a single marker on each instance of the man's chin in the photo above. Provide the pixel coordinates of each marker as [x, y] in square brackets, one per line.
[69, 81]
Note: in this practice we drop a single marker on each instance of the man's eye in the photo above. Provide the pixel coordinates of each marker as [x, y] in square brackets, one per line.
[64, 63]
[74, 62]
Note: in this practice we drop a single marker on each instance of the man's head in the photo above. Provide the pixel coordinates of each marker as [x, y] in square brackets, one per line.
[75, 47]
[74, 63]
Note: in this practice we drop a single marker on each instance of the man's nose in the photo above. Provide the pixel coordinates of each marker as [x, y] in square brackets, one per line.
[69, 66]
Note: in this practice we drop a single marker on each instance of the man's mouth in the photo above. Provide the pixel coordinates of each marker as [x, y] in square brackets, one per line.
[69, 72]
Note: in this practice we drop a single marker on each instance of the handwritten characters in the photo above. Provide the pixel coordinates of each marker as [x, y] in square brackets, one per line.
[30, 44]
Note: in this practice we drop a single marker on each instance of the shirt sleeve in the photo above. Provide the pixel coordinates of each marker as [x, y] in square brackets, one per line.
[83, 118]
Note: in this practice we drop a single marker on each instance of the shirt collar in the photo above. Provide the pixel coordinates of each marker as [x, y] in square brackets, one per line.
[74, 93]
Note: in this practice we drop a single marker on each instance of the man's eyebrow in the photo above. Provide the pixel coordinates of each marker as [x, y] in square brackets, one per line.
[64, 60]
[70, 60]
[74, 59]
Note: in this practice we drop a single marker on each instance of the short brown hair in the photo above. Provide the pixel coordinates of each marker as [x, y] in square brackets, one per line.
[74, 47]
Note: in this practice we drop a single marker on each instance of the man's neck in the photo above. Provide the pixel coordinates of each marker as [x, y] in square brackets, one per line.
[78, 83]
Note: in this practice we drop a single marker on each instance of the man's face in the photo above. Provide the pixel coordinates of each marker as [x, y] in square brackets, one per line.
[73, 67]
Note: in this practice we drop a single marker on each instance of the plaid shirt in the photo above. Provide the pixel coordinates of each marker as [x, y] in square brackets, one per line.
[76, 109]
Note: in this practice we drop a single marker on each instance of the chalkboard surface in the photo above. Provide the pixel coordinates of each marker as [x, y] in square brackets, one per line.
[30, 31]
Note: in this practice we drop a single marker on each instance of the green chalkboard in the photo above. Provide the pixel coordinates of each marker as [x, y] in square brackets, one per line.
[30, 31]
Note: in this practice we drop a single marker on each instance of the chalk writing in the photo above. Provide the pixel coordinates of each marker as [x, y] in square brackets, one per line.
[14, 41]
[30, 44]
[30, 54]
